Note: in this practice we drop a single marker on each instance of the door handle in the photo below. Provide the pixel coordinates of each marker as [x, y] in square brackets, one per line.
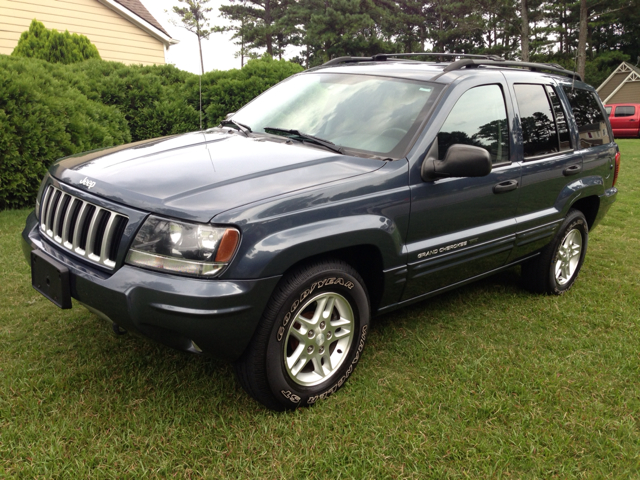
[505, 186]
[572, 170]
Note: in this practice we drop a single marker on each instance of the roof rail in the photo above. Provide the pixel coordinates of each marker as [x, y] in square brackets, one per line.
[535, 67]
[381, 57]
[467, 60]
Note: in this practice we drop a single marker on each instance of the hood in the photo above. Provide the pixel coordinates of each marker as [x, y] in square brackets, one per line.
[196, 176]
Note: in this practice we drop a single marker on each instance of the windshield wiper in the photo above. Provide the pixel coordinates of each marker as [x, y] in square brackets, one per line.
[239, 126]
[298, 135]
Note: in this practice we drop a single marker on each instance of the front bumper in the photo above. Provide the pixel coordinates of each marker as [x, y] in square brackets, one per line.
[219, 316]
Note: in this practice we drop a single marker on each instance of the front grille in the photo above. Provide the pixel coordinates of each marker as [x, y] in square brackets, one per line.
[87, 230]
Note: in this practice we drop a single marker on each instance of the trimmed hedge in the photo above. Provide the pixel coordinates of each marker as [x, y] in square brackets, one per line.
[54, 46]
[48, 110]
[43, 118]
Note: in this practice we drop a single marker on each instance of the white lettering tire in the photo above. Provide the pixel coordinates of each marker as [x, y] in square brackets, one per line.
[310, 338]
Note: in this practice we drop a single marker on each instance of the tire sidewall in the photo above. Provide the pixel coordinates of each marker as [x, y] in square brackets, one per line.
[290, 394]
[577, 221]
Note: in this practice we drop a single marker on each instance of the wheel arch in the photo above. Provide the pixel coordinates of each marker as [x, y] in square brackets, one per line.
[589, 207]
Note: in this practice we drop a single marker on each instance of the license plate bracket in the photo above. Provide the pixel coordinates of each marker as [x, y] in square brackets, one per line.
[51, 279]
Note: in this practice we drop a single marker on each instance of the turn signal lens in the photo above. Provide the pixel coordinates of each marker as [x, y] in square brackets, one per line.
[227, 246]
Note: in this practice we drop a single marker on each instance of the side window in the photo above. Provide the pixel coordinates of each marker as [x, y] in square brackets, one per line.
[625, 111]
[608, 110]
[561, 120]
[592, 125]
[544, 124]
[479, 118]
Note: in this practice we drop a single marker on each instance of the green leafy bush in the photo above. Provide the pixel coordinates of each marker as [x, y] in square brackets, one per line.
[42, 119]
[50, 110]
[54, 46]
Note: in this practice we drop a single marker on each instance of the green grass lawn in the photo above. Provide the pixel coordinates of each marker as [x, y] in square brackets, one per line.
[488, 381]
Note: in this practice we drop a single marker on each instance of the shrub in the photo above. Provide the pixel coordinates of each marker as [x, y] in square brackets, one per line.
[41, 120]
[50, 110]
[54, 46]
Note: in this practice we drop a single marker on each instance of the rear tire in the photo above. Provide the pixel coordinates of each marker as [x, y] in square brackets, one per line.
[310, 338]
[555, 270]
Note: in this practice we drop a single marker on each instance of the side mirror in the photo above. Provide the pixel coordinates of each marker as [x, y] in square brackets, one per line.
[460, 161]
[229, 115]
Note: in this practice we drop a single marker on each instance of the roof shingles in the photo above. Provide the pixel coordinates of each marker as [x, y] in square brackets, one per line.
[140, 10]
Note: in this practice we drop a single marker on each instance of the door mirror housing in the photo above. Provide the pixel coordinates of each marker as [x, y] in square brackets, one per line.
[460, 161]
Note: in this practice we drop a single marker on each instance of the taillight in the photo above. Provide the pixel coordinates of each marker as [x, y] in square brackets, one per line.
[617, 170]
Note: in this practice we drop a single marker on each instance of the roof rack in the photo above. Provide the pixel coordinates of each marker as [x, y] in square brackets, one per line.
[381, 57]
[534, 67]
[467, 60]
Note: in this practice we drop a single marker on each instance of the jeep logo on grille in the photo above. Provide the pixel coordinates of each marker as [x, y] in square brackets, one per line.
[87, 183]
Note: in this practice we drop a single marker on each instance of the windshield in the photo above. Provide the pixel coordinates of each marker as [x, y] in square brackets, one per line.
[376, 115]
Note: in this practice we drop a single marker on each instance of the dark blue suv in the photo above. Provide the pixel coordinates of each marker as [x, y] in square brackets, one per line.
[343, 192]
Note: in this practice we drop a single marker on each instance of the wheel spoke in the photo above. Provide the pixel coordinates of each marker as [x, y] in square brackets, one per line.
[327, 361]
[340, 322]
[295, 356]
[317, 366]
[300, 335]
[327, 311]
[343, 332]
[320, 307]
[299, 365]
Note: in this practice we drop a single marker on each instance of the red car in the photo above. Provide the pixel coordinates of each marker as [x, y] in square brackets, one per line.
[625, 119]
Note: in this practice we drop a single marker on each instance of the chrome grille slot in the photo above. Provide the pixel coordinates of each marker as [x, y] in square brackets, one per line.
[84, 228]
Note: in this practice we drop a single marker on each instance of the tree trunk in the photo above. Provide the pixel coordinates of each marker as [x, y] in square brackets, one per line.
[525, 30]
[582, 39]
[267, 23]
[201, 61]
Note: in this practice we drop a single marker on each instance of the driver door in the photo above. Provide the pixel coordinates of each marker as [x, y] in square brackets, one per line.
[461, 228]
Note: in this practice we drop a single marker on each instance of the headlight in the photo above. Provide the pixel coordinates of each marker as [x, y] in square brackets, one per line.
[185, 248]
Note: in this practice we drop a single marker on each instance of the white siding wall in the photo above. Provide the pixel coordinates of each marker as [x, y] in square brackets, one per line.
[116, 38]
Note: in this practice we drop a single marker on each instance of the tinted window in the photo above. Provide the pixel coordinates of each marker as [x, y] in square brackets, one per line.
[625, 111]
[564, 136]
[480, 119]
[539, 133]
[608, 110]
[592, 125]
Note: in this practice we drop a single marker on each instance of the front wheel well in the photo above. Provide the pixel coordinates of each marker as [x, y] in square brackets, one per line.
[589, 207]
[366, 259]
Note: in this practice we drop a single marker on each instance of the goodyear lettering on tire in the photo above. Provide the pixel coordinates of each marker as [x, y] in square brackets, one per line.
[319, 284]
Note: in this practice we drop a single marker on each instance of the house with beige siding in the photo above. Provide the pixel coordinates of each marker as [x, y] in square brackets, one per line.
[622, 86]
[122, 30]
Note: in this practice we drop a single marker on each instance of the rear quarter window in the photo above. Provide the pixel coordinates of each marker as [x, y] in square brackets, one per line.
[592, 126]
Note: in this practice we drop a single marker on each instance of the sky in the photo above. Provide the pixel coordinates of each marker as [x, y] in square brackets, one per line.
[217, 52]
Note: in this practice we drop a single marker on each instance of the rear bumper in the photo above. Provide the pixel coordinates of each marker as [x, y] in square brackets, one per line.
[219, 316]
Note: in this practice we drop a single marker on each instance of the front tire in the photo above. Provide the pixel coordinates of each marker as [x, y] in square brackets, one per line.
[310, 338]
[555, 270]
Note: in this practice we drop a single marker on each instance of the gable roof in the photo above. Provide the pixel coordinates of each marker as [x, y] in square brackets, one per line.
[625, 73]
[140, 10]
[137, 13]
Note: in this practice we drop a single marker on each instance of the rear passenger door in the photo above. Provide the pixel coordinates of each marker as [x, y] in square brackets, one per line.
[551, 162]
[463, 227]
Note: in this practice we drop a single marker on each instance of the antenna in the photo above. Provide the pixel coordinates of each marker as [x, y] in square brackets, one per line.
[575, 65]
